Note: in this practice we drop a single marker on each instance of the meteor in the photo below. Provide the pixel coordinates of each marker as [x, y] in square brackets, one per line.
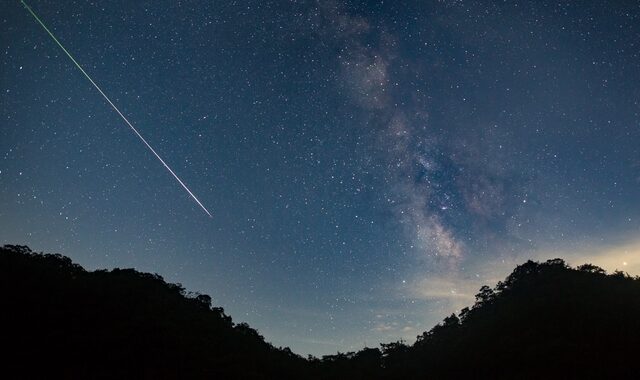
[184, 186]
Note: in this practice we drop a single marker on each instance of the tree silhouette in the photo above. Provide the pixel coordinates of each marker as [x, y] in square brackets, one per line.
[545, 320]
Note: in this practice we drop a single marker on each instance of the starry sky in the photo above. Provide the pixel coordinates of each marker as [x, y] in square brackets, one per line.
[368, 164]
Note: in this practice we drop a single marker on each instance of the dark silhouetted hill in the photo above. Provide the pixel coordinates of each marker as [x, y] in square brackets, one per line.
[545, 320]
[59, 320]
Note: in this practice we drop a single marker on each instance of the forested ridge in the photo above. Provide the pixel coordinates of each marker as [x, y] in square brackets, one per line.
[545, 320]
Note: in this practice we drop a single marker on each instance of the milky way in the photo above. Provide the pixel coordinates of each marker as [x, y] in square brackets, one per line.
[371, 164]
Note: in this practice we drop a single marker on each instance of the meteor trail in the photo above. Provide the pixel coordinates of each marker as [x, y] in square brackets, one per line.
[116, 109]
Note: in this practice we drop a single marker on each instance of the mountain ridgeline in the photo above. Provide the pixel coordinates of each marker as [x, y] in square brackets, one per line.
[545, 320]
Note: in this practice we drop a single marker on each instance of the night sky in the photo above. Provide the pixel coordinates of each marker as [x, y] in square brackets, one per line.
[368, 164]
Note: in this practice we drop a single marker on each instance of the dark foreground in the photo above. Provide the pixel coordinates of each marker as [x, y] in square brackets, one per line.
[545, 320]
